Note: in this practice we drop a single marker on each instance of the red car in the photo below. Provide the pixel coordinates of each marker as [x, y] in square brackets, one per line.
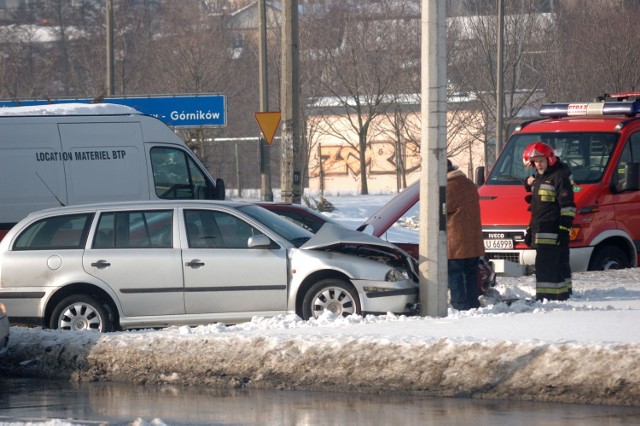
[308, 218]
[377, 225]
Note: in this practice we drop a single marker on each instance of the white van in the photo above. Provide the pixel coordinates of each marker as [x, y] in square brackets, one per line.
[67, 154]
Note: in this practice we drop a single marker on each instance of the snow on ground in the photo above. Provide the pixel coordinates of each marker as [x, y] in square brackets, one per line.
[585, 350]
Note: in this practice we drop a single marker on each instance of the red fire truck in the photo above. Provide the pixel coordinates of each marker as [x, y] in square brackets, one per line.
[600, 141]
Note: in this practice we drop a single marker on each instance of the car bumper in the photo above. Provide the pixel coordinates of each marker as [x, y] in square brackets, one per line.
[381, 297]
[25, 304]
[579, 257]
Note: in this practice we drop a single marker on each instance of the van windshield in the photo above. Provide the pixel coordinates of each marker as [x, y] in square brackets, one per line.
[586, 153]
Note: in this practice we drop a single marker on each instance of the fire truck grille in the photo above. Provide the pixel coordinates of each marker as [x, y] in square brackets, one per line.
[513, 257]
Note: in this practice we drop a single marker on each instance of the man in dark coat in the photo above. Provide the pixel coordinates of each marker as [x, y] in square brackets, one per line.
[464, 238]
[552, 214]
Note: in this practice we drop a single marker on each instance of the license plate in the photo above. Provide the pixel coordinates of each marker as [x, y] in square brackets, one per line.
[498, 244]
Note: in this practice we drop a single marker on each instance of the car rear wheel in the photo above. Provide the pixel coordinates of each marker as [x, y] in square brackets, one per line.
[333, 295]
[82, 312]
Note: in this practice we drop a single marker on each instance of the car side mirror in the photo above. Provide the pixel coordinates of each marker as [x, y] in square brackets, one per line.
[479, 177]
[259, 241]
[628, 177]
[219, 192]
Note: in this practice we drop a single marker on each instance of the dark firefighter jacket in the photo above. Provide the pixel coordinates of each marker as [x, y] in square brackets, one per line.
[552, 205]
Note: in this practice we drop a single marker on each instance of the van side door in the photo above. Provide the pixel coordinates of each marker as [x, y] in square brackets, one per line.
[106, 162]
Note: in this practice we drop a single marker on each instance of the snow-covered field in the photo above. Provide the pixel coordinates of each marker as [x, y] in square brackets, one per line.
[585, 350]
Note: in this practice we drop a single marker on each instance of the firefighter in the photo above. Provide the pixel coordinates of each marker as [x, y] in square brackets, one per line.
[552, 214]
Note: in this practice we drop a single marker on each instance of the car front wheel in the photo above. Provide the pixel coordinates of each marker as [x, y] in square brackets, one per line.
[333, 295]
[82, 313]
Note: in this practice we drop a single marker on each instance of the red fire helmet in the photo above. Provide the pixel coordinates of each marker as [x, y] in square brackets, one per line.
[538, 149]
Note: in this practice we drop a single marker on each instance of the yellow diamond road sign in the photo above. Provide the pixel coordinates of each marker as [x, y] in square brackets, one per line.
[268, 122]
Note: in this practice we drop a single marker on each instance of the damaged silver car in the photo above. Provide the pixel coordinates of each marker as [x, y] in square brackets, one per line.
[124, 265]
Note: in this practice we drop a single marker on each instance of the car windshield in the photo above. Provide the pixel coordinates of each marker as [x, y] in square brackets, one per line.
[293, 233]
[586, 153]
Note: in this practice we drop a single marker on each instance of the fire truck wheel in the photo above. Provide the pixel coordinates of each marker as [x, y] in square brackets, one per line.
[608, 257]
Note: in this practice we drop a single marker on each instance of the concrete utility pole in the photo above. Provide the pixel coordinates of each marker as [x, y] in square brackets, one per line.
[500, 79]
[266, 193]
[110, 67]
[291, 175]
[433, 176]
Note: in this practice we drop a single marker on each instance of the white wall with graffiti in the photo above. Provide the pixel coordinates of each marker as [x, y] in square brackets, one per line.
[392, 156]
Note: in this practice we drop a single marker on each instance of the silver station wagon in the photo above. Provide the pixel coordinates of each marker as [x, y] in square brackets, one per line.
[129, 265]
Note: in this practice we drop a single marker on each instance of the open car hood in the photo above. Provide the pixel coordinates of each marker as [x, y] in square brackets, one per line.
[388, 214]
[336, 238]
[332, 235]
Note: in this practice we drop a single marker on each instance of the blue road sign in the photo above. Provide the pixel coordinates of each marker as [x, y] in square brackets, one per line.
[204, 110]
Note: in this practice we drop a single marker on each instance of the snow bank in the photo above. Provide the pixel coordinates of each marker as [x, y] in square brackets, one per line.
[586, 350]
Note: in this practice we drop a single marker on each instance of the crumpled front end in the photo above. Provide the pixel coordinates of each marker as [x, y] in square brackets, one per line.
[337, 239]
[385, 277]
[396, 292]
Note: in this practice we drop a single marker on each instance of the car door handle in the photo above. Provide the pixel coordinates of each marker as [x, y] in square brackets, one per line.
[101, 264]
[195, 263]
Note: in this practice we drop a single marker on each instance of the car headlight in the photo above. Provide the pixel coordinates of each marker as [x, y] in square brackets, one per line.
[3, 311]
[395, 275]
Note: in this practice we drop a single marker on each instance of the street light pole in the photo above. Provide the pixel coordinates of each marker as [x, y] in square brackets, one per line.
[110, 67]
[500, 79]
[266, 193]
[433, 177]
[291, 175]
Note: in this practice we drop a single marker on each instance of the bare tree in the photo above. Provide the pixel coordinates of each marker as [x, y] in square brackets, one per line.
[71, 59]
[137, 25]
[196, 54]
[404, 130]
[465, 126]
[473, 60]
[61, 15]
[315, 36]
[24, 66]
[592, 50]
[359, 73]
[43, 46]
[402, 120]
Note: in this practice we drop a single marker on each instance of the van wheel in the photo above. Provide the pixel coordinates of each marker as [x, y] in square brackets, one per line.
[608, 257]
[81, 312]
[333, 295]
